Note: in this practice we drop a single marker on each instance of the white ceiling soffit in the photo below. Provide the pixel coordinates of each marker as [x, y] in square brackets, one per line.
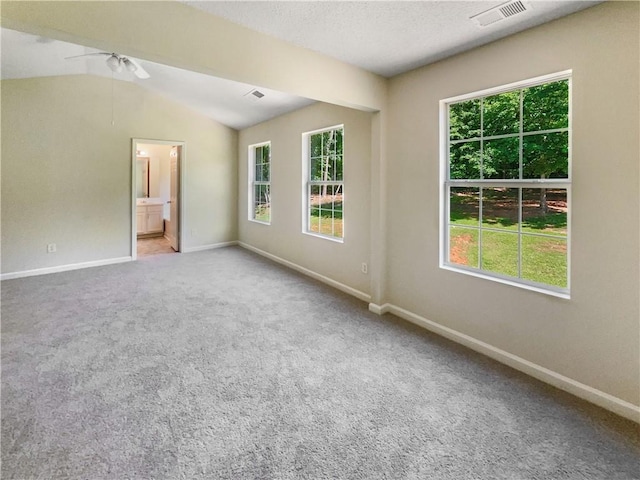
[385, 37]
[28, 56]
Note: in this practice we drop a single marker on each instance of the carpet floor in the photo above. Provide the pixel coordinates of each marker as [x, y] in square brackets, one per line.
[223, 365]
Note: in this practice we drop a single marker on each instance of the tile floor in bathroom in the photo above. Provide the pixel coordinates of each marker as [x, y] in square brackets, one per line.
[153, 246]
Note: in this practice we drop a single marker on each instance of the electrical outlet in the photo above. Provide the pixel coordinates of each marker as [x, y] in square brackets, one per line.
[364, 267]
[51, 248]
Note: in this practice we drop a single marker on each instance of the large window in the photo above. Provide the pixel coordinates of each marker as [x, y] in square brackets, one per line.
[506, 183]
[260, 182]
[324, 187]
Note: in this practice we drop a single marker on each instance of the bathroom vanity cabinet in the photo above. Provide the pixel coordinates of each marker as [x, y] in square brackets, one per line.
[149, 219]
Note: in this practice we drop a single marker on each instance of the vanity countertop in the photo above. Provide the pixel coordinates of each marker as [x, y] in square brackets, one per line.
[149, 201]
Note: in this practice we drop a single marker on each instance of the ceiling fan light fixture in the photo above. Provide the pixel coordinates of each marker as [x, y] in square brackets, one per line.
[129, 65]
[115, 64]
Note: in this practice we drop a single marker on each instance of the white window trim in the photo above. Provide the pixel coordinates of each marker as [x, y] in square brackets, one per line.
[251, 165]
[445, 184]
[306, 183]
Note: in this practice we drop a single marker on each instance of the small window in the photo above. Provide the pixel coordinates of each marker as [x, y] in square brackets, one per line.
[260, 182]
[506, 183]
[324, 185]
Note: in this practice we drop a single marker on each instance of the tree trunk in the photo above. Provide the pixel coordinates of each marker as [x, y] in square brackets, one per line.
[544, 208]
[325, 173]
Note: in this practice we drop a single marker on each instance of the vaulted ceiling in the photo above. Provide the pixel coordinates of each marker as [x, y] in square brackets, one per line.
[226, 101]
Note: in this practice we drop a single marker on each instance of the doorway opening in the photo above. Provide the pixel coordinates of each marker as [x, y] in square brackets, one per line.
[156, 190]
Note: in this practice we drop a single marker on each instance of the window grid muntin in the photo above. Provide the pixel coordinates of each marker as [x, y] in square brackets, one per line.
[520, 183]
[508, 135]
[333, 183]
[261, 152]
[520, 155]
[480, 228]
[521, 87]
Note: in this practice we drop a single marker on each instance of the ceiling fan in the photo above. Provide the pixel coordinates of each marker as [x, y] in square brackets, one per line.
[117, 63]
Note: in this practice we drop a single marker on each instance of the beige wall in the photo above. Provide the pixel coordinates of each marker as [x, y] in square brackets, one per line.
[66, 170]
[284, 237]
[592, 338]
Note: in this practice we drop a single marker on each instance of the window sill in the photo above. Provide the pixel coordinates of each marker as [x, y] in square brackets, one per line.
[260, 222]
[554, 293]
[325, 237]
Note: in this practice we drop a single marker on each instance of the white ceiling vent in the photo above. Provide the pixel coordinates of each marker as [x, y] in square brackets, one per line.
[500, 12]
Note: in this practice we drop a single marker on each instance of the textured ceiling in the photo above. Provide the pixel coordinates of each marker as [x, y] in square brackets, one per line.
[385, 37]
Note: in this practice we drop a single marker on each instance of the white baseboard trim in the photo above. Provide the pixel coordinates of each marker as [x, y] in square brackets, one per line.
[310, 273]
[63, 268]
[595, 396]
[379, 309]
[208, 247]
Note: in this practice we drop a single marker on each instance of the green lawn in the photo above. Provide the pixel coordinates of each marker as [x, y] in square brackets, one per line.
[323, 225]
[543, 256]
[544, 259]
[263, 213]
[552, 223]
[326, 218]
[320, 219]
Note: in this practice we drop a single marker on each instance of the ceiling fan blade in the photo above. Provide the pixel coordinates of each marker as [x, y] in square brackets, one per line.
[87, 55]
[138, 71]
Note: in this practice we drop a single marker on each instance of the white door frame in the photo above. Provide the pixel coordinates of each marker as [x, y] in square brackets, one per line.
[181, 182]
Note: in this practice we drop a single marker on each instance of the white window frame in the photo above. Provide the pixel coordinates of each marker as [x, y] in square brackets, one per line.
[446, 184]
[254, 183]
[307, 183]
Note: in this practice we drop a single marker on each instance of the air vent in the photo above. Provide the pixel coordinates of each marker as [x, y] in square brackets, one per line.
[493, 15]
[254, 95]
[513, 8]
